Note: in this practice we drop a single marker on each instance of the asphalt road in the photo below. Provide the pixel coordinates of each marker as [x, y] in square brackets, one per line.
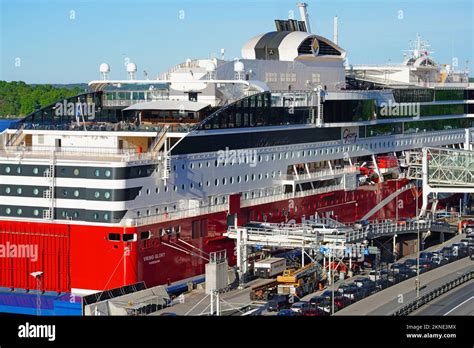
[456, 302]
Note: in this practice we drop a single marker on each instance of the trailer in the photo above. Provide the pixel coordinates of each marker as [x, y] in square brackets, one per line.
[263, 292]
[270, 267]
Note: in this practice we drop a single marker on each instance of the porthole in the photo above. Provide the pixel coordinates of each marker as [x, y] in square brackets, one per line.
[106, 217]
[35, 171]
[36, 212]
[7, 190]
[76, 214]
[64, 193]
[76, 172]
[97, 172]
[7, 170]
[148, 191]
[216, 182]
[108, 173]
[19, 190]
[106, 194]
[19, 211]
[224, 181]
[76, 193]
[35, 191]
[96, 194]
[8, 211]
[18, 170]
[96, 216]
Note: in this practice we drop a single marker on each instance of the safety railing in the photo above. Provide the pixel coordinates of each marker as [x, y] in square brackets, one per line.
[430, 296]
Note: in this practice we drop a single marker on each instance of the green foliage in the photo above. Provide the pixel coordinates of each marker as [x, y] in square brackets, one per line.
[20, 99]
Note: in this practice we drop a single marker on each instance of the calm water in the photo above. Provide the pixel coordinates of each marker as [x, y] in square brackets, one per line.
[4, 124]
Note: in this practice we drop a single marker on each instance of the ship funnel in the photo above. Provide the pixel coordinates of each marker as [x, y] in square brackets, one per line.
[336, 31]
[304, 15]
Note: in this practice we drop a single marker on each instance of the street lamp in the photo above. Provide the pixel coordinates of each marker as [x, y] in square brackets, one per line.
[37, 276]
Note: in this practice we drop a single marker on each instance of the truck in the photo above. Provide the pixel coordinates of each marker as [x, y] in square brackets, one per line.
[299, 282]
[269, 267]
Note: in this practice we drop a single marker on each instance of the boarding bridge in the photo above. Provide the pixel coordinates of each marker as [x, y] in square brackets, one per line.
[446, 171]
[391, 228]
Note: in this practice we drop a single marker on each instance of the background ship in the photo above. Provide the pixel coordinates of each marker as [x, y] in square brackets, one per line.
[129, 183]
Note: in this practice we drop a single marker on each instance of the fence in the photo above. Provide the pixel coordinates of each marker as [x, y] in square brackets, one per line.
[421, 301]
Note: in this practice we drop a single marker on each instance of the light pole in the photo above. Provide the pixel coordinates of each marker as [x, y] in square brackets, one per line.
[37, 276]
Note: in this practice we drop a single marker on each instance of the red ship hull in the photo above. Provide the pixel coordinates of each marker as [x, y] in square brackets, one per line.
[82, 257]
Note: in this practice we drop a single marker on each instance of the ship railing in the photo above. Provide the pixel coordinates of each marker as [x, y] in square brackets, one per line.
[99, 153]
[320, 174]
[283, 196]
[174, 215]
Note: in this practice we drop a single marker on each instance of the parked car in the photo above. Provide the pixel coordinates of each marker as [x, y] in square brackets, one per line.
[426, 264]
[314, 312]
[317, 299]
[410, 263]
[299, 307]
[464, 241]
[277, 303]
[425, 255]
[382, 284]
[368, 288]
[326, 306]
[373, 275]
[288, 313]
[361, 281]
[438, 261]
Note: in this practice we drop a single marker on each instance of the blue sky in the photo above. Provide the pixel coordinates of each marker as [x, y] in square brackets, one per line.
[42, 41]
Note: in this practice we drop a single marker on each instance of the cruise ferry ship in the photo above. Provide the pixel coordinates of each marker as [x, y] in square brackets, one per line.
[138, 179]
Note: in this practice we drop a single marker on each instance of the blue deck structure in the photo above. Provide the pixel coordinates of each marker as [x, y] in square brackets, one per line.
[51, 303]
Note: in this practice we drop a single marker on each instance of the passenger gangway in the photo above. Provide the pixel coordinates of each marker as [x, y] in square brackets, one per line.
[391, 228]
[446, 171]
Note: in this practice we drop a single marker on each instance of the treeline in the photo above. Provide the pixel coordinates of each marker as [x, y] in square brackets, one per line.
[19, 99]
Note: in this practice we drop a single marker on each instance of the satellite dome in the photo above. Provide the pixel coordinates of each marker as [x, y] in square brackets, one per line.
[210, 67]
[239, 67]
[131, 67]
[104, 68]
